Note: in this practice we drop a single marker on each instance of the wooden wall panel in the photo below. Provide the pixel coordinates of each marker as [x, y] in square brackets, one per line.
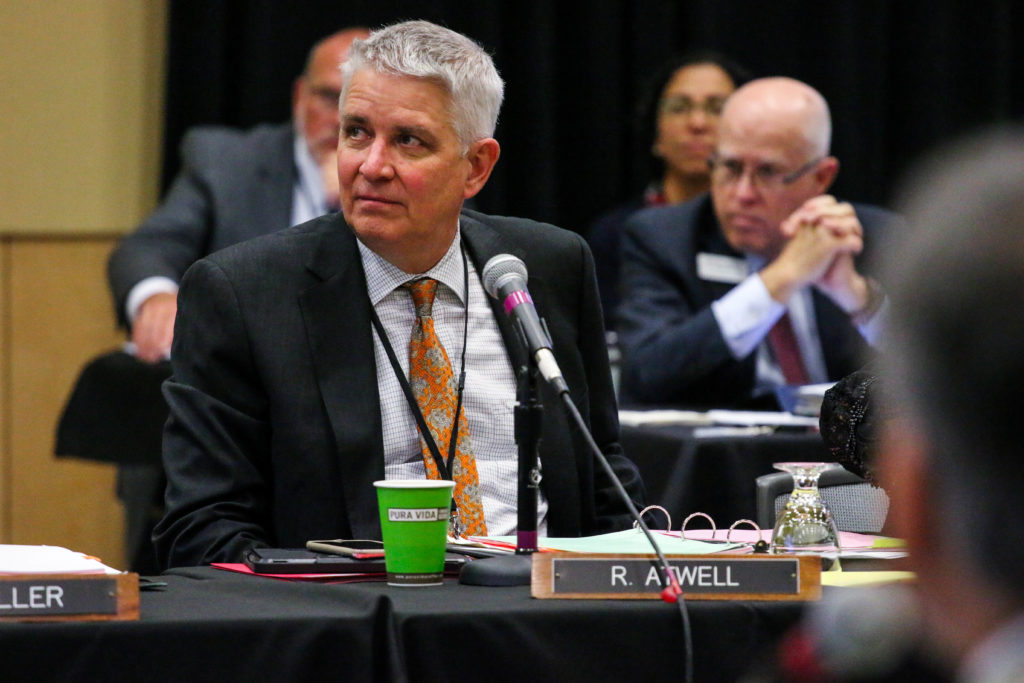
[69, 184]
[5, 442]
[60, 317]
[95, 168]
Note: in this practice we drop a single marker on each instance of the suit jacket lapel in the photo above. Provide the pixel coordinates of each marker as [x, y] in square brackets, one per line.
[276, 175]
[710, 238]
[338, 329]
[560, 468]
[482, 243]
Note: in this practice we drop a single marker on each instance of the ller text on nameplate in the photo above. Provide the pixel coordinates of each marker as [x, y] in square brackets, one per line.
[38, 597]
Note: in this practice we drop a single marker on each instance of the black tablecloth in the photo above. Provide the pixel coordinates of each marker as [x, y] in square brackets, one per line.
[212, 625]
[684, 473]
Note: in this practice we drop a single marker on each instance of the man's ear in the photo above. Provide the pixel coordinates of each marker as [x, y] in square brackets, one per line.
[297, 94]
[482, 156]
[826, 172]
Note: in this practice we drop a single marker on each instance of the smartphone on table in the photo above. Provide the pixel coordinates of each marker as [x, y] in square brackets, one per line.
[302, 561]
[337, 556]
[361, 548]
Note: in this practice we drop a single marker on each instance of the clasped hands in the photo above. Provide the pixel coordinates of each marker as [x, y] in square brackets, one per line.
[822, 238]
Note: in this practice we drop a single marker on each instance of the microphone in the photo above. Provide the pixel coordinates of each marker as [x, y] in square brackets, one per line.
[504, 278]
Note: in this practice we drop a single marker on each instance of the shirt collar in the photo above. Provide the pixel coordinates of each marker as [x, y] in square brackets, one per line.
[383, 277]
[755, 262]
[654, 195]
[309, 175]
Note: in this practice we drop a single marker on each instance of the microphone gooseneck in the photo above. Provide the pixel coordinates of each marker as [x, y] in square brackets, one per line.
[504, 278]
[671, 592]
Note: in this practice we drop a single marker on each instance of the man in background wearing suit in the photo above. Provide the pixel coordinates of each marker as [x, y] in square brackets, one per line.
[233, 186]
[291, 350]
[761, 282]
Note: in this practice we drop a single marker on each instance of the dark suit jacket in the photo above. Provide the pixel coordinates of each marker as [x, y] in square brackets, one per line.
[673, 349]
[274, 438]
[233, 185]
[605, 240]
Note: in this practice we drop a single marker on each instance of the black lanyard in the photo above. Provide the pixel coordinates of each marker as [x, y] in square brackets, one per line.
[443, 466]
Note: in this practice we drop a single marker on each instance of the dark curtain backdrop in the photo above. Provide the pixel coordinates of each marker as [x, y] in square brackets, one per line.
[900, 77]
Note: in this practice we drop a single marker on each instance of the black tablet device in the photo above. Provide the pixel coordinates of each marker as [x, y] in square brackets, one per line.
[301, 561]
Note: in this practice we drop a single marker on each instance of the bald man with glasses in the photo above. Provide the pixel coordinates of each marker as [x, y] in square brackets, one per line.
[761, 282]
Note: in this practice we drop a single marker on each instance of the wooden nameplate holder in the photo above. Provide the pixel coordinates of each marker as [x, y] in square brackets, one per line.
[69, 597]
[702, 577]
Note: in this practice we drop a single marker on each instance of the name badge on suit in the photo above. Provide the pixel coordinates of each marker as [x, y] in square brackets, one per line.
[721, 268]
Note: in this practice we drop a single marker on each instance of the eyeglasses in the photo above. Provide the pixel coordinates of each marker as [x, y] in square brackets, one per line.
[765, 176]
[682, 105]
[326, 97]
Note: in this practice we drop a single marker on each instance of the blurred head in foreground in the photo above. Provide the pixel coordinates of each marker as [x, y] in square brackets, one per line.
[951, 459]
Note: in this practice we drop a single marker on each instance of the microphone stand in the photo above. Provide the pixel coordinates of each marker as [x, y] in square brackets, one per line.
[529, 415]
[515, 570]
[672, 593]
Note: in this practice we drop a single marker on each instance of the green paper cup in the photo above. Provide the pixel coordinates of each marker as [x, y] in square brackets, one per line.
[414, 520]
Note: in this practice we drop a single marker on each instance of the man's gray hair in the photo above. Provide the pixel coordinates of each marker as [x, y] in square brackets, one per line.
[420, 49]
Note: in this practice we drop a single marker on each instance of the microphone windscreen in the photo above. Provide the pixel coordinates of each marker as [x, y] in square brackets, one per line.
[500, 268]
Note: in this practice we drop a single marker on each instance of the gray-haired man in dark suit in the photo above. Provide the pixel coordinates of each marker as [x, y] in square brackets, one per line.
[285, 407]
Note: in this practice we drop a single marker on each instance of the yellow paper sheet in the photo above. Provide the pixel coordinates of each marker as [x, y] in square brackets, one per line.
[865, 578]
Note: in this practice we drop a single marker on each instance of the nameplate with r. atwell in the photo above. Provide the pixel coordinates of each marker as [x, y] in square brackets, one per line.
[702, 577]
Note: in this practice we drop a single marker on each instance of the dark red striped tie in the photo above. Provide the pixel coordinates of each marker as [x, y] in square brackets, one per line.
[787, 351]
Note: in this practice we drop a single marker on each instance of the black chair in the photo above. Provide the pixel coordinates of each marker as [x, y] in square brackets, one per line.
[856, 505]
[115, 414]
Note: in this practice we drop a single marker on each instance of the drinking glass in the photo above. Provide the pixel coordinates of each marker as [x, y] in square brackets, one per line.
[806, 524]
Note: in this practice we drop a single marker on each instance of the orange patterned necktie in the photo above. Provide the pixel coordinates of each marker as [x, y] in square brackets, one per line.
[433, 385]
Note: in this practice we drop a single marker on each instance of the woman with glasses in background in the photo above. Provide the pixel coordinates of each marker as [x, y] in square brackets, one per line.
[677, 121]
